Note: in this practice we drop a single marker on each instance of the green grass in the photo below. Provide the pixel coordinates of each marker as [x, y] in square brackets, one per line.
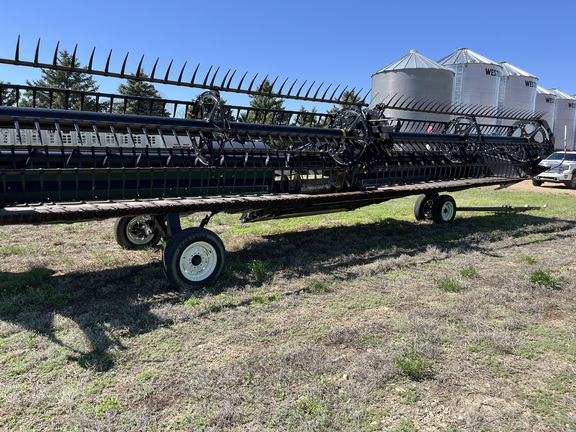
[329, 323]
[469, 272]
[414, 363]
[544, 279]
[449, 285]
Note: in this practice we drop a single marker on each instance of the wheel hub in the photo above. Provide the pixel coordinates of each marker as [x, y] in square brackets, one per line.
[198, 261]
[139, 231]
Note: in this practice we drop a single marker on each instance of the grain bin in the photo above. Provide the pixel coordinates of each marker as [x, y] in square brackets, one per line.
[546, 103]
[476, 79]
[413, 76]
[516, 90]
[565, 119]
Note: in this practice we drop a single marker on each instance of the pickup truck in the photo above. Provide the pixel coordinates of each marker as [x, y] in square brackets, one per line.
[561, 168]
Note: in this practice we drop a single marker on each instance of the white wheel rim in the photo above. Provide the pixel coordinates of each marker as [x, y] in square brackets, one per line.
[198, 261]
[136, 232]
[447, 211]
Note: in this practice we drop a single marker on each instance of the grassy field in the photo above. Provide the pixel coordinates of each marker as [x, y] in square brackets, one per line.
[361, 321]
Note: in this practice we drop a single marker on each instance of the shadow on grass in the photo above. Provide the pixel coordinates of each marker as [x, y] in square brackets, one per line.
[106, 306]
[111, 305]
[324, 250]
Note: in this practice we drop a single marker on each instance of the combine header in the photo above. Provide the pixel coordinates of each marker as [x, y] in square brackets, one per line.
[100, 161]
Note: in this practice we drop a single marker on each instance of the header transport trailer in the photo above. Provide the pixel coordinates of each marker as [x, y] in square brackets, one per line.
[109, 156]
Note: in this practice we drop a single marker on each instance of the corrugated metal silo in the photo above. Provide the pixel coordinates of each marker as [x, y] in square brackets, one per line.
[517, 89]
[546, 103]
[476, 79]
[413, 76]
[565, 119]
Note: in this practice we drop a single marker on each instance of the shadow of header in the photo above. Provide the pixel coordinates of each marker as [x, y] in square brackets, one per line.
[108, 305]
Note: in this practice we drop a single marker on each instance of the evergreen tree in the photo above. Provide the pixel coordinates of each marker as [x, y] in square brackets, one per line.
[262, 101]
[137, 88]
[63, 80]
[306, 117]
[8, 96]
[348, 98]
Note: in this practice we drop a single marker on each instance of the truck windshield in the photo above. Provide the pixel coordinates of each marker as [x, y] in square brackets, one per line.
[562, 155]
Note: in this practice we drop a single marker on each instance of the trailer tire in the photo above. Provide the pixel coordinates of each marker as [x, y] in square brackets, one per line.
[136, 232]
[193, 258]
[444, 209]
[423, 207]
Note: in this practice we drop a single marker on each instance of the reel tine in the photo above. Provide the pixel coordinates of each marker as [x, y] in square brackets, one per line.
[298, 89]
[334, 92]
[241, 81]
[73, 62]
[214, 77]
[301, 87]
[418, 104]
[139, 67]
[357, 94]
[272, 85]
[309, 88]
[108, 63]
[182, 73]
[365, 96]
[207, 75]
[168, 70]
[430, 107]
[326, 91]
[230, 80]
[252, 83]
[195, 72]
[55, 59]
[282, 86]
[17, 53]
[224, 79]
[261, 86]
[319, 87]
[339, 99]
[37, 53]
[124, 64]
[292, 86]
[154, 68]
[89, 67]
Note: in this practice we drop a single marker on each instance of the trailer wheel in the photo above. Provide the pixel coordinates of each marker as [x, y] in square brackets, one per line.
[193, 258]
[443, 209]
[423, 207]
[136, 232]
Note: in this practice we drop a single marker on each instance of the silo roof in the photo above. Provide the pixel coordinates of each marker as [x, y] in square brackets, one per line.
[560, 94]
[542, 90]
[412, 60]
[511, 70]
[465, 55]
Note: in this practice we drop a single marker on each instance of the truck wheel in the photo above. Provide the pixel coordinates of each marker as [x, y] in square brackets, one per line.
[423, 207]
[572, 184]
[193, 258]
[443, 209]
[136, 232]
[537, 183]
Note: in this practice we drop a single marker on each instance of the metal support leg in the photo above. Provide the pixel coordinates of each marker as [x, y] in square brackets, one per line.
[174, 226]
[206, 219]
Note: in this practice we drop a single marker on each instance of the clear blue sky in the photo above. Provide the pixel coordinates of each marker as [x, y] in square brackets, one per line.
[332, 41]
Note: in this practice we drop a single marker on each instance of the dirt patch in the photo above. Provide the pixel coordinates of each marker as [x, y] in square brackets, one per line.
[527, 186]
